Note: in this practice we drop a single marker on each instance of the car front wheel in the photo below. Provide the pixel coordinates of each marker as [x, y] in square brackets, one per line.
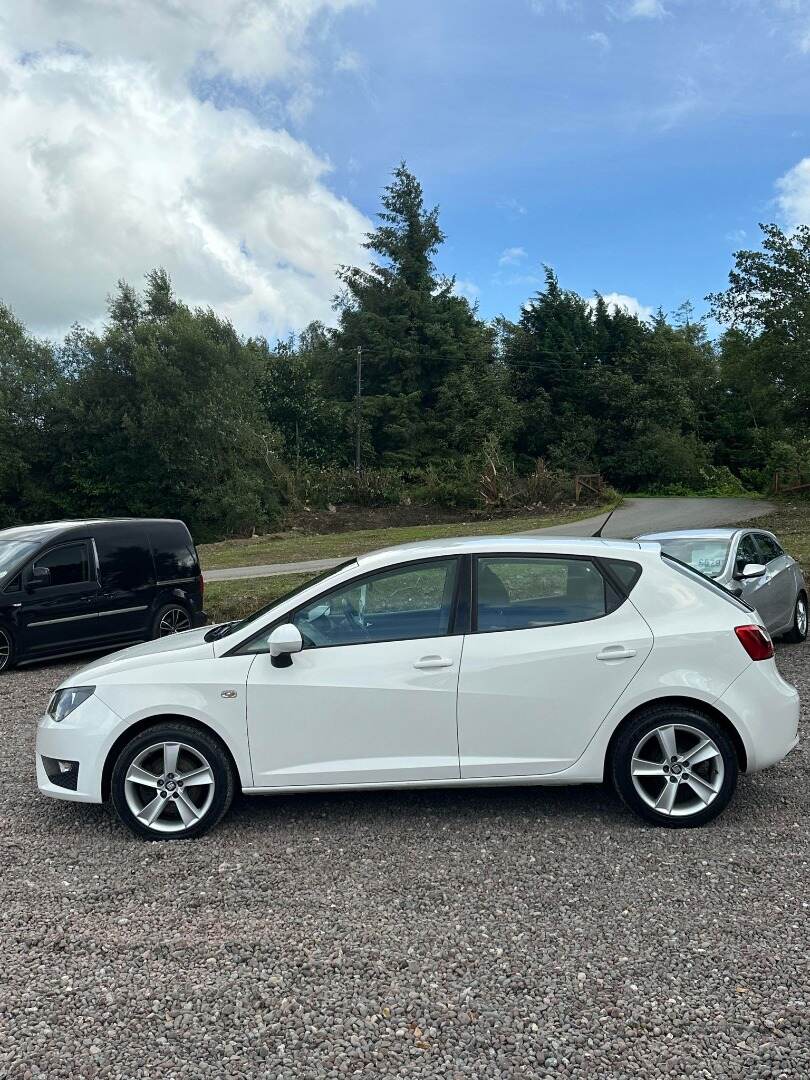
[171, 782]
[798, 633]
[674, 766]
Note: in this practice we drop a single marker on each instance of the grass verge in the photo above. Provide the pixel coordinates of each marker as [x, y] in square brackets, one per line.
[291, 547]
[226, 600]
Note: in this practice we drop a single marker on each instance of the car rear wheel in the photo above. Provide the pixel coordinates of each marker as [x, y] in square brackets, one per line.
[6, 649]
[675, 766]
[798, 633]
[171, 619]
[171, 782]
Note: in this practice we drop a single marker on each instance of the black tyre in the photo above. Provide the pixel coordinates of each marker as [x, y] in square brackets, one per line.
[674, 766]
[7, 653]
[172, 782]
[171, 619]
[798, 633]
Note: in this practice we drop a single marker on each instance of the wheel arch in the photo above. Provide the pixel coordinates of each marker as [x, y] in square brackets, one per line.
[711, 711]
[162, 718]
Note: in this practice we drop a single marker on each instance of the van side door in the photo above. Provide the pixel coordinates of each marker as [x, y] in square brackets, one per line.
[127, 575]
[59, 602]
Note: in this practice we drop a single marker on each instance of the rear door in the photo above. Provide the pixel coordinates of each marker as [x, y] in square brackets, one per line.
[127, 576]
[63, 615]
[553, 646]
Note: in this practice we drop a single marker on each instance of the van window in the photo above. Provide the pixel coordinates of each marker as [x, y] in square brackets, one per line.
[125, 558]
[69, 564]
[172, 546]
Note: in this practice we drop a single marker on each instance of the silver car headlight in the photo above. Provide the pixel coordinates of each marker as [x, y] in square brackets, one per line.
[65, 701]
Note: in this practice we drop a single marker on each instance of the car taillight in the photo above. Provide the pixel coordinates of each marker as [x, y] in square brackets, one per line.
[201, 583]
[756, 641]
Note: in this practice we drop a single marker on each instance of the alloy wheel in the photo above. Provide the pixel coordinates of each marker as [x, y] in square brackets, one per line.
[677, 770]
[801, 616]
[169, 786]
[175, 620]
[5, 649]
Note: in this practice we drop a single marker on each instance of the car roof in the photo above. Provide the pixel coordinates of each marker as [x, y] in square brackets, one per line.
[692, 534]
[44, 530]
[517, 545]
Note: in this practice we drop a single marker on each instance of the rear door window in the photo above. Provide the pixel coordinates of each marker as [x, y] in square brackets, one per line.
[524, 593]
[175, 556]
[769, 548]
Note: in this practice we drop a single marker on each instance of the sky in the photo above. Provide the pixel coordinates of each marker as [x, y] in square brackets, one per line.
[632, 145]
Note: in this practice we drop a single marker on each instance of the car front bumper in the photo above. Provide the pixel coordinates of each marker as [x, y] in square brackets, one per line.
[81, 741]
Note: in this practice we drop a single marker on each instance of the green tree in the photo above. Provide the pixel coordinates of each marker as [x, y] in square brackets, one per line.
[30, 384]
[414, 332]
[161, 415]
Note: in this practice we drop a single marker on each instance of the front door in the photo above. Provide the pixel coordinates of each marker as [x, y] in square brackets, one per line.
[777, 595]
[61, 614]
[372, 697]
[552, 650]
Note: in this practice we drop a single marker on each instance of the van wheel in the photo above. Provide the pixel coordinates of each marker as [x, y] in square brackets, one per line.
[674, 766]
[171, 619]
[171, 782]
[6, 649]
[798, 633]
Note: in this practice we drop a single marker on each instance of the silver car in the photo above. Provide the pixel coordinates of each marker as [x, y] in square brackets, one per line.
[750, 563]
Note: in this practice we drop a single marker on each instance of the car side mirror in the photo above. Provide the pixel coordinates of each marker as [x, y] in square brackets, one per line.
[284, 641]
[751, 570]
[39, 578]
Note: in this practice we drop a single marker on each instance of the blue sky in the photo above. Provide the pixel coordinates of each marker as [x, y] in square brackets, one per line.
[633, 154]
[632, 145]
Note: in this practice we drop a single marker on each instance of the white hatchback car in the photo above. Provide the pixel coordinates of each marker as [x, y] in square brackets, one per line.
[453, 663]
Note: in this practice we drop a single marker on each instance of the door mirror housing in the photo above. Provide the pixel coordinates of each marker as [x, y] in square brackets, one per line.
[284, 641]
[751, 570]
[39, 577]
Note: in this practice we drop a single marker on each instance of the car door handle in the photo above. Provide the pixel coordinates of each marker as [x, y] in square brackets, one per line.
[616, 652]
[428, 663]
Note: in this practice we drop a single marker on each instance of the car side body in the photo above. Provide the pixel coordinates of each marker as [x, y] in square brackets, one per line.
[724, 554]
[68, 587]
[482, 699]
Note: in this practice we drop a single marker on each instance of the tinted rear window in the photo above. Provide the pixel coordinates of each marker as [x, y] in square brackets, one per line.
[125, 558]
[175, 556]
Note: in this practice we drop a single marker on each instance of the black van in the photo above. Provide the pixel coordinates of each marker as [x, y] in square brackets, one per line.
[81, 586]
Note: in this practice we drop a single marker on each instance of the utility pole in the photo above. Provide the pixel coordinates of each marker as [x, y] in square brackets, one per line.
[357, 409]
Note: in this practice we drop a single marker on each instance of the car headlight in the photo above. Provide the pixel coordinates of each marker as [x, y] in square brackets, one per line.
[65, 701]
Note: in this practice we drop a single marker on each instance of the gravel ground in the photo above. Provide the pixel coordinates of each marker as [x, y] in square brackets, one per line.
[469, 934]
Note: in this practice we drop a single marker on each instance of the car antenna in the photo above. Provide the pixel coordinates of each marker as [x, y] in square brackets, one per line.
[604, 523]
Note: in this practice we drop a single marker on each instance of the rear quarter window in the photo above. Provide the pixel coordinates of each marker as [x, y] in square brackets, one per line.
[174, 551]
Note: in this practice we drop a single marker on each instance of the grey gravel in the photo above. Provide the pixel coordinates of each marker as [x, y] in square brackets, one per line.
[500, 933]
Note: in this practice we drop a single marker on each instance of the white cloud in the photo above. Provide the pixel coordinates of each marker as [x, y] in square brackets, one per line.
[600, 40]
[645, 9]
[621, 302]
[512, 256]
[793, 194]
[468, 289]
[111, 165]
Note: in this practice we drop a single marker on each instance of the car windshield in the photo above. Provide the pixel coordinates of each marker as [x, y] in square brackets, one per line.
[12, 552]
[224, 629]
[707, 556]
